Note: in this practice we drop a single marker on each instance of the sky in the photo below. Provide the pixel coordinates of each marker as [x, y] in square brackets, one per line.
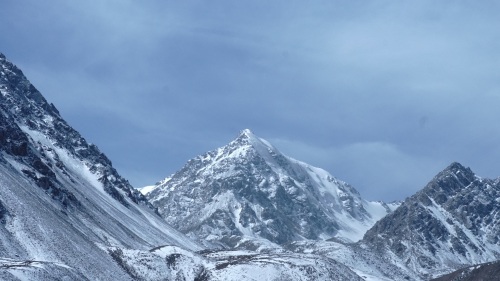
[381, 94]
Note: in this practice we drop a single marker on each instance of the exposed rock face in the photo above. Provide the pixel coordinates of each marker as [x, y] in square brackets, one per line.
[25, 110]
[481, 272]
[454, 221]
[62, 204]
[248, 190]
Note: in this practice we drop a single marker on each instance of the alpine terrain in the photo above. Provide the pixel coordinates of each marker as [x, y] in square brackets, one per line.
[452, 223]
[244, 211]
[66, 214]
[63, 207]
[249, 195]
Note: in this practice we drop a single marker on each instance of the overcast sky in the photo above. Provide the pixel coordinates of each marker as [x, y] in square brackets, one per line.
[382, 94]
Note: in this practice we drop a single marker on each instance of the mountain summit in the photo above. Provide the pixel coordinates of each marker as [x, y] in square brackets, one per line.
[453, 222]
[247, 193]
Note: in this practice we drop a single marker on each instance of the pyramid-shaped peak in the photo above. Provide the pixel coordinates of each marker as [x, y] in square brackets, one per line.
[247, 133]
[247, 140]
[452, 179]
[458, 171]
[246, 136]
[457, 168]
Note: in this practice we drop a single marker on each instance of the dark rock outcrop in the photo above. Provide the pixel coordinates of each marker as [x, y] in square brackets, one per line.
[481, 272]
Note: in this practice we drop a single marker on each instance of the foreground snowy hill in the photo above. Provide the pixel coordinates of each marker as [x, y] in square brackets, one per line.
[178, 264]
[247, 194]
[62, 204]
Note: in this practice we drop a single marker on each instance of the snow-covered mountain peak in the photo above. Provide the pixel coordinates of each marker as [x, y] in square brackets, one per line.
[249, 190]
[453, 180]
[248, 140]
[453, 221]
[247, 133]
[458, 170]
[456, 167]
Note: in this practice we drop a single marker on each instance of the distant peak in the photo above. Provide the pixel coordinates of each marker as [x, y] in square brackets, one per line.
[448, 178]
[247, 137]
[247, 133]
[2, 56]
[456, 167]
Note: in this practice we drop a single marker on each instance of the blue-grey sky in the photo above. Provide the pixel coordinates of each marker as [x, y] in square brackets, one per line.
[382, 94]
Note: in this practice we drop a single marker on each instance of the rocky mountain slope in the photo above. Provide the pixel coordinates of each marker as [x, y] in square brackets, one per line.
[66, 214]
[247, 194]
[453, 222]
[480, 272]
[62, 204]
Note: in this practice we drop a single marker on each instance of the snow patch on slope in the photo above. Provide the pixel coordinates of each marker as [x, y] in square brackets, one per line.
[147, 189]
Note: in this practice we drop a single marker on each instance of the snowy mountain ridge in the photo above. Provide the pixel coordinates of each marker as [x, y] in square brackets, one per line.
[453, 222]
[249, 191]
[62, 204]
[66, 214]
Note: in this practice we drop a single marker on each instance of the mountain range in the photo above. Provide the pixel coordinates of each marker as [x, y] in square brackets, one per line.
[243, 211]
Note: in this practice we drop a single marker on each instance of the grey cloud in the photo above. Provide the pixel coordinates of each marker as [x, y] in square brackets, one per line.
[346, 83]
[379, 170]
